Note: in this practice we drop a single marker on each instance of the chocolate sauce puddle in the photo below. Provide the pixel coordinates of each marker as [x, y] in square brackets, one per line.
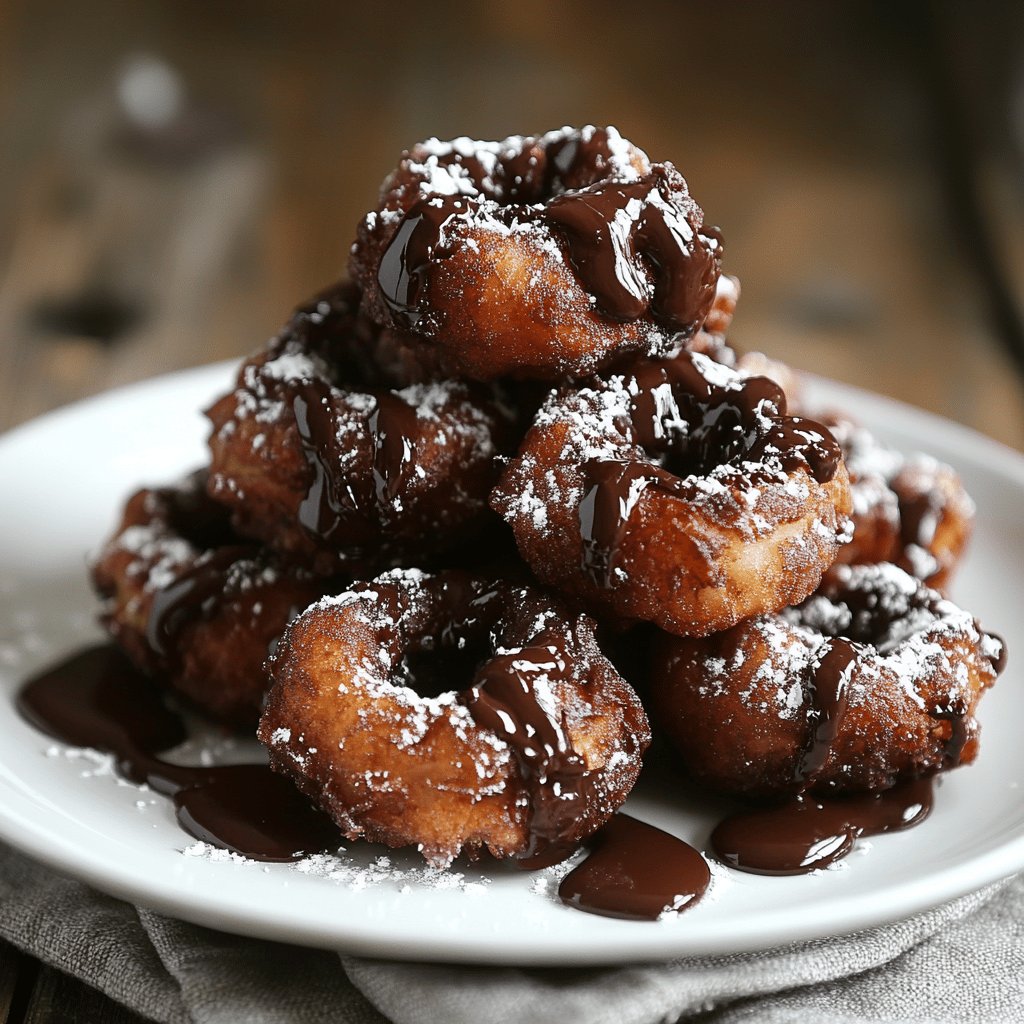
[807, 833]
[247, 807]
[98, 699]
[637, 872]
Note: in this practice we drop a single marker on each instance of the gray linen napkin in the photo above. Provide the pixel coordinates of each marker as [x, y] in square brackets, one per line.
[963, 961]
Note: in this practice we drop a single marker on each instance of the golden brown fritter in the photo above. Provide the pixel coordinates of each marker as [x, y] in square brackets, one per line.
[678, 494]
[524, 739]
[193, 604]
[911, 510]
[750, 708]
[318, 456]
[538, 257]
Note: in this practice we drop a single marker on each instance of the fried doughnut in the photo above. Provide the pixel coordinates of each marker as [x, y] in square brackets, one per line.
[908, 509]
[677, 493]
[527, 746]
[872, 681]
[192, 603]
[536, 257]
[341, 478]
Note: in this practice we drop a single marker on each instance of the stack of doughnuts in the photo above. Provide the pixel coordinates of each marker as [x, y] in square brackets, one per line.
[516, 430]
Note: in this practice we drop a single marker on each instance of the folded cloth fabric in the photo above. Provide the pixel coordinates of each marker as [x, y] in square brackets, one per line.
[963, 961]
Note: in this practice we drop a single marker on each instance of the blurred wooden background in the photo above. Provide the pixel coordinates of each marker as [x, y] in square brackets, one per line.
[174, 177]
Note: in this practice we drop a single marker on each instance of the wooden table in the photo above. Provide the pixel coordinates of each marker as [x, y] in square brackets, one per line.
[169, 190]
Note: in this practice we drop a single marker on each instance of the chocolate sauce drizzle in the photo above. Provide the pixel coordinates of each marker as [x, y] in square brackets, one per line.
[611, 492]
[920, 512]
[331, 502]
[636, 871]
[637, 246]
[393, 429]
[97, 699]
[194, 594]
[328, 502]
[505, 700]
[687, 426]
[621, 234]
[827, 691]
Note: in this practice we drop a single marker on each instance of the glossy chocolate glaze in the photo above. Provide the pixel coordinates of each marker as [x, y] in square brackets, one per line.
[405, 265]
[571, 162]
[97, 699]
[393, 428]
[920, 513]
[505, 700]
[808, 833]
[687, 426]
[958, 715]
[330, 500]
[612, 489]
[829, 681]
[193, 595]
[636, 871]
[636, 245]
[620, 235]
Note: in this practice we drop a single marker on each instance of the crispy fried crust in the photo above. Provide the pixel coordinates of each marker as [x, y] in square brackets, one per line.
[191, 603]
[299, 448]
[911, 510]
[344, 722]
[499, 293]
[727, 541]
[738, 706]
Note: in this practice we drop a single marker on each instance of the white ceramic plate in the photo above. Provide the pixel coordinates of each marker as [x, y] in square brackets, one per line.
[65, 477]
